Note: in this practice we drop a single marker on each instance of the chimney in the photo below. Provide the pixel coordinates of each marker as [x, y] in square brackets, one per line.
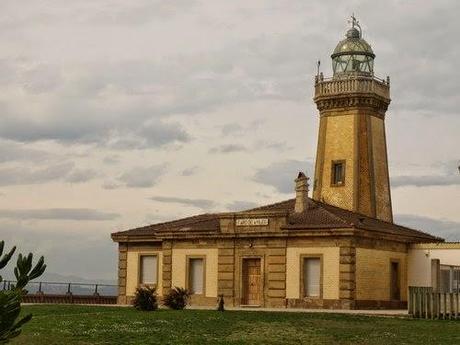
[301, 193]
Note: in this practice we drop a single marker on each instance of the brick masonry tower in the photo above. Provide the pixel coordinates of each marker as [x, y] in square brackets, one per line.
[351, 162]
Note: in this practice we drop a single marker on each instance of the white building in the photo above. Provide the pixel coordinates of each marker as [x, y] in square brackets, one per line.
[435, 265]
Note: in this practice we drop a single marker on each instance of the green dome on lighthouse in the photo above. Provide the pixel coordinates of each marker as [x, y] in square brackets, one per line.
[353, 55]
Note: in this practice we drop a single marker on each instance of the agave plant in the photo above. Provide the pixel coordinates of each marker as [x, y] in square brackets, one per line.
[177, 298]
[10, 300]
[145, 299]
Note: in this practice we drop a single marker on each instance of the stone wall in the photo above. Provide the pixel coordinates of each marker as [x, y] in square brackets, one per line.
[122, 264]
[226, 271]
[330, 263]
[373, 274]
[179, 268]
[355, 272]
[338, 145]
[133, 260]
[380, 168]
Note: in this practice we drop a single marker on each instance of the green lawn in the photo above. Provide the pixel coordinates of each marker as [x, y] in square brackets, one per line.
[62, 324]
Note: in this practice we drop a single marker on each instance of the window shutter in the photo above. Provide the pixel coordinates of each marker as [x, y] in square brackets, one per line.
[196, 276]
[311, 277]
[149, 269]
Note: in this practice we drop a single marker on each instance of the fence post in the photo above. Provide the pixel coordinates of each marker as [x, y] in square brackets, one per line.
[410, 302]
[456, 305]
[427, 300]
[419, 303]
[438, 306]
[432, 305]
[69, 296]
[444, 316]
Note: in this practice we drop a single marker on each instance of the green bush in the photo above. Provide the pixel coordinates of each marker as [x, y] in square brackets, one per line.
[177, 298]
[10, 300]
[145, 299]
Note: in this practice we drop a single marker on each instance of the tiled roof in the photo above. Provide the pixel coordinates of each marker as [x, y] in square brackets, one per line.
[202, 222]
[318, 216]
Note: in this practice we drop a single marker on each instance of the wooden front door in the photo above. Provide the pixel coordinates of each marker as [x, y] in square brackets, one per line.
[395, 288]
[251, 282]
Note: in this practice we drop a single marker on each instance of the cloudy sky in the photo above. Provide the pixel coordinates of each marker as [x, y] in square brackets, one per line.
[116, 114]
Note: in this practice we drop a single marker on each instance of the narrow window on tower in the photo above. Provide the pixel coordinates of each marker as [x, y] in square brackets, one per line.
[338, 173]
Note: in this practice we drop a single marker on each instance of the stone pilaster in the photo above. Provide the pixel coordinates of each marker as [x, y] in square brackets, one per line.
[347, 277]
[277, 275]
[122, 264]
[226, 272]
[167, 266]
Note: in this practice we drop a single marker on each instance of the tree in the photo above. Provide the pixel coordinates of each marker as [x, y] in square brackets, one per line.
[10, 300]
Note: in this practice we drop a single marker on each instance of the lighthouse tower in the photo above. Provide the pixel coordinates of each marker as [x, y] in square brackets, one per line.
[351, 162]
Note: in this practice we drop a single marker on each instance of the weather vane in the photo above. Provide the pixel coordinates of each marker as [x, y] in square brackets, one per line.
[354, 22]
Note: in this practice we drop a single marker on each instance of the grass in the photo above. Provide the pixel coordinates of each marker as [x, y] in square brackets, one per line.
[67, 324]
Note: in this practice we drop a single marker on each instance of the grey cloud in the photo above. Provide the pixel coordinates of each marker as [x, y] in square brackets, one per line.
[81, 110]
[142, 177]
[12, 151]
[231, 128]
[23, 176]
[159, 135]
[448, 175]
[58, 214]
[281, 175]
[241, 205]
[141, 132]
[112, 159]
[101, 14]
[41, 78]
[448, 230]
[269, 67]
[81, 175]
[199, 203]
[140, 13]
[259, 145]
[237, 129]
[190, 171]
[272, 145]
[228, 148]
[425, 181]
[110, 185]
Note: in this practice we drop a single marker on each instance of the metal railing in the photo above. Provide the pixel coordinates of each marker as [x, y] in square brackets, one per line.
[61, 288]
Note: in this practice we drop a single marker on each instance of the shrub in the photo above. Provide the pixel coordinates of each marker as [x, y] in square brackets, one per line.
[177, 298]
[145, 299]
[10, 300]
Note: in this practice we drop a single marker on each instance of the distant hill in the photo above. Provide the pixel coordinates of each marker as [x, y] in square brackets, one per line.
[60, 278]
[50, 288]
[56, 277]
